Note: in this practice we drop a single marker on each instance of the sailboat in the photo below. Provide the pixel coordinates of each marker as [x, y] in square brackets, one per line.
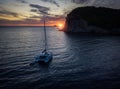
[45, 56]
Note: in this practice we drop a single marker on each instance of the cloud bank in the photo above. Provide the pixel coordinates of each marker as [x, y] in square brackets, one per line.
[99, 3]
[5, 12]
[21, 1]
[30, 11]
[52, 1]
[42, 9]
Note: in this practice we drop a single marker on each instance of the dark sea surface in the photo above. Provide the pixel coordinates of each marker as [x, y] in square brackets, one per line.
[79, 62]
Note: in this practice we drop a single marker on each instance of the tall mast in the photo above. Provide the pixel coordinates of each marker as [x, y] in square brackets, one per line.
[45, 34]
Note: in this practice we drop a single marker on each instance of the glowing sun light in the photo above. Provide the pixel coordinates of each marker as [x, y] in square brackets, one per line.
[60, 26]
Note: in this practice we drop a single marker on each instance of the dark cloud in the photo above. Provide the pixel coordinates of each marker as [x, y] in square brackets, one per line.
[99, 3]
[79, 1]
[42, 9]
[107, 3]
[5, 12]
[22, 1]
[52, 1]
[35, 17]
[49, 17]
[34, 10]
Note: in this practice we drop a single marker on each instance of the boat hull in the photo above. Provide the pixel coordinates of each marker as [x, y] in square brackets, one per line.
[44, 57]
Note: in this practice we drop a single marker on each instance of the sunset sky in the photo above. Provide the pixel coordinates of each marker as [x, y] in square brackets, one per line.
[30, 12]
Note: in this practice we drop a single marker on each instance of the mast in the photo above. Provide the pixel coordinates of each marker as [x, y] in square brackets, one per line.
[45, 34]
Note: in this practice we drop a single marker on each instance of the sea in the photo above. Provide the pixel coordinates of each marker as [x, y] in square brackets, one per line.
[79, 61]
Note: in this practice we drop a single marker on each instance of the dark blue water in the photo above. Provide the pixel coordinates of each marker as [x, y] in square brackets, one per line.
[79, 62]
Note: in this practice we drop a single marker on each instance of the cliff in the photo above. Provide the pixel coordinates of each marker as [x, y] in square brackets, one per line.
[93, 20]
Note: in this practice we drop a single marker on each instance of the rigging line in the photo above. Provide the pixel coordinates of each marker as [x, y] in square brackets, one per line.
[45, 34]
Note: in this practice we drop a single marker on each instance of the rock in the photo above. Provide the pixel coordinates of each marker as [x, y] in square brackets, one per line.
[93, 20]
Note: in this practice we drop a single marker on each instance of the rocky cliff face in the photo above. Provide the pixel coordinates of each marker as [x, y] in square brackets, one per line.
[93, 20]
